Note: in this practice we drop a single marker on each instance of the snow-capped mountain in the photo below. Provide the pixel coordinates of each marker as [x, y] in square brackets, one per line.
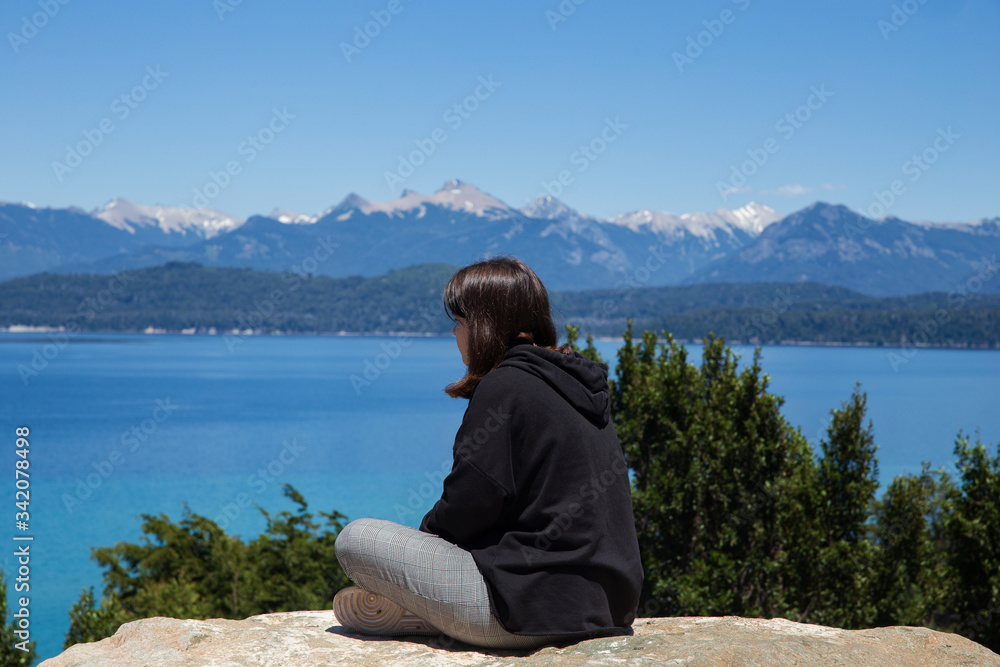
[550, 208]
[454, 195]
[201, 222]
[293, 218]
[459, 224]
[833, 245]
[751, 219]
[35, 239]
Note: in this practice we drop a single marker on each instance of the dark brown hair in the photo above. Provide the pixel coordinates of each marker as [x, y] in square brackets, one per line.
[504, 303]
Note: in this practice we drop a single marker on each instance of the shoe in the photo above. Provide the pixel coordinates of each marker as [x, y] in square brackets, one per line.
[371, 614]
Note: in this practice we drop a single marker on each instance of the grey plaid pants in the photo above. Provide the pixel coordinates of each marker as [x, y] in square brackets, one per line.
[429, 577]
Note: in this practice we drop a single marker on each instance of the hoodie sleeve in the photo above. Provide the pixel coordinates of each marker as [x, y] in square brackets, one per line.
[479, 486]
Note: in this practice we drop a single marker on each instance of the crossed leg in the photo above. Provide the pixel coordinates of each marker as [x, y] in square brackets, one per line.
[429, 577]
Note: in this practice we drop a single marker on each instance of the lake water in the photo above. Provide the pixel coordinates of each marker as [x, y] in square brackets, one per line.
[124, 424]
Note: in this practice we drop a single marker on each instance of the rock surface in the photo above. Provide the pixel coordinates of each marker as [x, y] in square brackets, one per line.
[307, 638]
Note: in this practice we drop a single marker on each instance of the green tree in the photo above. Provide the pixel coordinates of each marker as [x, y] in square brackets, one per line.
[296, 564]
[573, 334]
[89, 622]
[910, 575]
[720, 479]
[973, 530]
[736, 515]
[10, 654]
[193, 569]
[847, 478]
[188, 569]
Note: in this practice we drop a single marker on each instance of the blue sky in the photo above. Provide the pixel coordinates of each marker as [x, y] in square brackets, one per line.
[685, 95]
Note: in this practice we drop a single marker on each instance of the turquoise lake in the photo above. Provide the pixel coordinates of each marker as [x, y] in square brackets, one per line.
[125, 424]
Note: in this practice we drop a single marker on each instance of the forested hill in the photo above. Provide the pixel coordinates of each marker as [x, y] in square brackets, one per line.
[187, 296]
[184, 295]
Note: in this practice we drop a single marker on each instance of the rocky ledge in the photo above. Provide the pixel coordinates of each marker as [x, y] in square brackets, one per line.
[306, 638]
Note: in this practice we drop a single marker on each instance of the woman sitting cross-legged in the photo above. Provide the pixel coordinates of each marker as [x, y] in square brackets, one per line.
[533, 540]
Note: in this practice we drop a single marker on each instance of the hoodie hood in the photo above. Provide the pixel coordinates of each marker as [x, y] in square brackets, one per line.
[582, 382]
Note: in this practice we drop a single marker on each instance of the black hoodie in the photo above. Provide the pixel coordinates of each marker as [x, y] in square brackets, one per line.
[539, 494]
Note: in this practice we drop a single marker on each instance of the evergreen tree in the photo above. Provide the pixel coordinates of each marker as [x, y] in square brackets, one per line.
[10, 654]
[910, 571]
[590, 352]
[296, 564]
[89, 622]
[973, 530]
[720, 478]
[736, 515]
[847, 478]
[193, 569]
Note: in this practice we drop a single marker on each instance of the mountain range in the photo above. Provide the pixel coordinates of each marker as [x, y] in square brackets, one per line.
[459, 223]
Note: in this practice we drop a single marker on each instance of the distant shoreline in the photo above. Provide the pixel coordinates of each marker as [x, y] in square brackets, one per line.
[27, 329]
[237, 304]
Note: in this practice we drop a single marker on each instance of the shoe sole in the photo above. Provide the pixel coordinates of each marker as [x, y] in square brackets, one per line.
[371, 614]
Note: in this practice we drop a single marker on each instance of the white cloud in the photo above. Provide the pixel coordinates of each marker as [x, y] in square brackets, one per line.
[736, 191]
[788, 191]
